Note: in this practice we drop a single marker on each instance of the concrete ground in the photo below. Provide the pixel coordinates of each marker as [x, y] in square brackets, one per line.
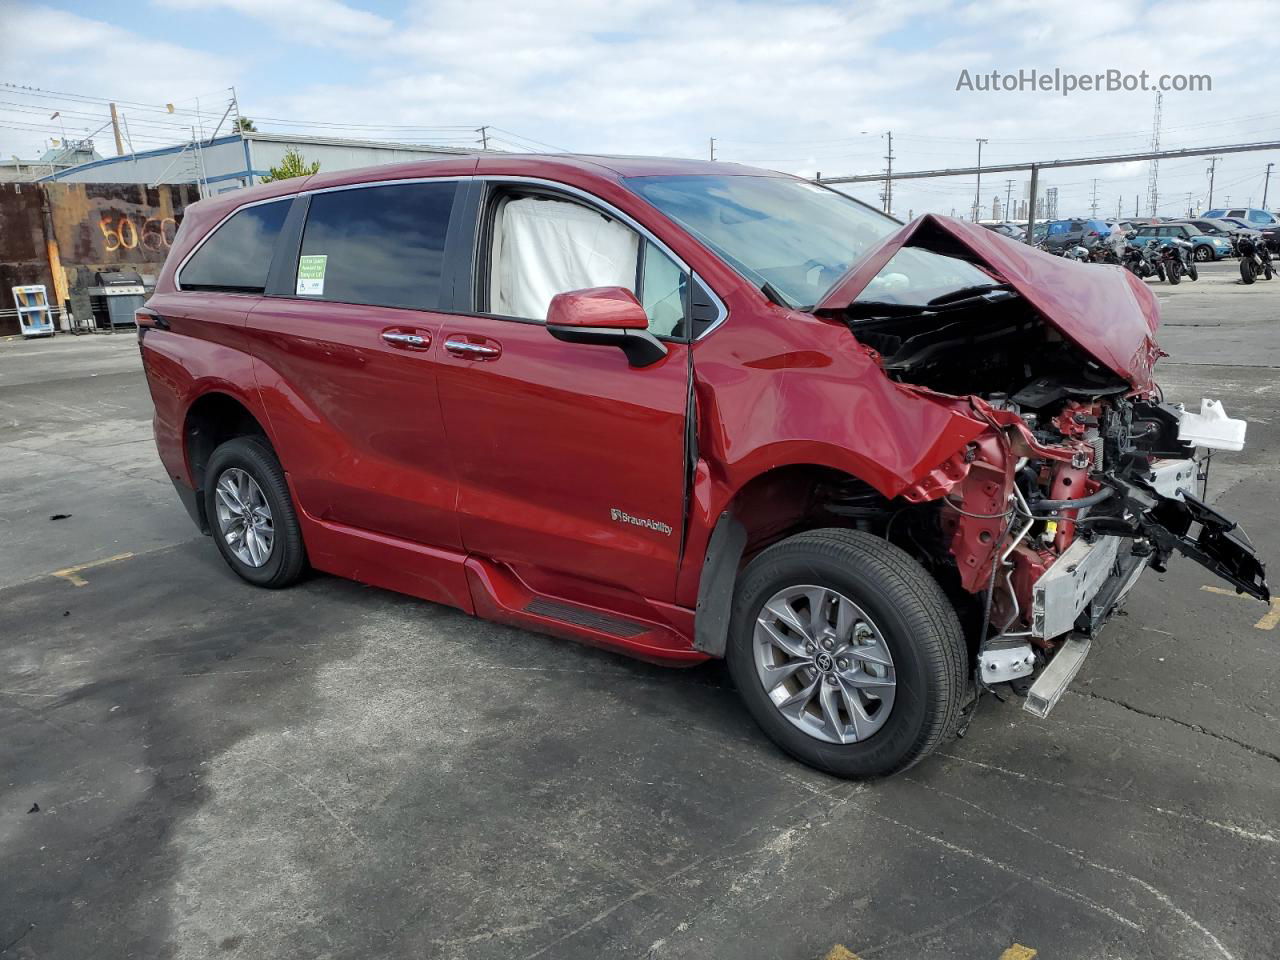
[190, 767]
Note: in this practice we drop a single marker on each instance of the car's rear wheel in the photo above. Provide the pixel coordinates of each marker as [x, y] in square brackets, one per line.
[847, 653]
[251, 514]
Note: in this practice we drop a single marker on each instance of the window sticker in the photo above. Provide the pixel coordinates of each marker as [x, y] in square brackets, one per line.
[311, 275]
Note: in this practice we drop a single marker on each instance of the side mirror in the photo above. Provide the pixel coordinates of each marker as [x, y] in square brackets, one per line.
[605, 315]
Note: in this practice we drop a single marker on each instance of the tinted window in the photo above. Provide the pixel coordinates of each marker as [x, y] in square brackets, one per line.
[377, 245]
[1146, 231]
[238, 255]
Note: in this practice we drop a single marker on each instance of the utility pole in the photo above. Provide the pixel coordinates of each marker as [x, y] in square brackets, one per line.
[1189, 213]
[977, 193]
[888, 176]
[712, 142]
[115, 127]
[1265, 184]
[1008, 197]
[1093, 202]
[1031, 204]
[1119, 200]
[1135, 205]
[484, 136]
[1213, 163]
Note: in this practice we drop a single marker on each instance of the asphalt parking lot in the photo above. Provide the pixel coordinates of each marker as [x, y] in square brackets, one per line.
[190, 767]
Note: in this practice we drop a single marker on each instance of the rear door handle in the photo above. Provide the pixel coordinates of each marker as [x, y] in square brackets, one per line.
[472, 351]
[407, 341]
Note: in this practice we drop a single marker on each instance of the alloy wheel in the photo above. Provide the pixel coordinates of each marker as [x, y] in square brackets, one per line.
[824, 664]
[244, 517]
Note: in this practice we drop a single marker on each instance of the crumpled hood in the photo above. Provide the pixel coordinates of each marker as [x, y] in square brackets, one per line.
[1104, 310]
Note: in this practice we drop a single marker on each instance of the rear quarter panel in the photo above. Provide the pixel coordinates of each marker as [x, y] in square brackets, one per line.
[203, 351]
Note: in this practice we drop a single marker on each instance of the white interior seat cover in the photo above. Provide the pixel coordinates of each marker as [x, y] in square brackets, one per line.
[545, 247]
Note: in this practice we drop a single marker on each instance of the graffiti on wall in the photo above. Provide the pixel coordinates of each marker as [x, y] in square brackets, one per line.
[128, 232]
[117, 224]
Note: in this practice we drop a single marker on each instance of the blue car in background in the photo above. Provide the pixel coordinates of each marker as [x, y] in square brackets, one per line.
[1204, 246]
[1063, 234]
[1250, 216]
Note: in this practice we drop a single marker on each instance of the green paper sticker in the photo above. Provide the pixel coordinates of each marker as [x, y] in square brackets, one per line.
[311, 275]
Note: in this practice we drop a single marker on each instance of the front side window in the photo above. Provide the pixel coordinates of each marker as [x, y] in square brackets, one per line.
[799, 238]
[237, 257]
[541, 246]
[382, 246]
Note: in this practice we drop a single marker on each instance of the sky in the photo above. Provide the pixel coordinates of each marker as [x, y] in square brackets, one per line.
[804, 87]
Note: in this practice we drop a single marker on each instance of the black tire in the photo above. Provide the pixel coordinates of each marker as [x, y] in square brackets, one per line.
[1173, 272]
[1160, 270]
[1192, 271]
[1203, 252]
[1246, 270]
[919, 627]
[1267, 271]
[287, 561]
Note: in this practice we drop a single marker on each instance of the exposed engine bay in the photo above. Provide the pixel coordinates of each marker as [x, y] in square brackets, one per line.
[1082, 482]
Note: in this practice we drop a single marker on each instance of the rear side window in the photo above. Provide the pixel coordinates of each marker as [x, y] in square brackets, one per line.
[237, 257]
[382, 246]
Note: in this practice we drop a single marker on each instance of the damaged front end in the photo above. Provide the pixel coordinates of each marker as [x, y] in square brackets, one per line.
[1084, 477]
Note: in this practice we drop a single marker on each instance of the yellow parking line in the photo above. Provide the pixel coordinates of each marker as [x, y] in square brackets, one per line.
[72, 574]
[1018, 952]
[1269, 620]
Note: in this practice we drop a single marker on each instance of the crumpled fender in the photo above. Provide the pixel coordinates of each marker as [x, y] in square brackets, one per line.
[1104, 310]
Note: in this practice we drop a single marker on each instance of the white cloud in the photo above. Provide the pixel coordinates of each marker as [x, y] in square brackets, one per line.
[60, 51]
[324, 22]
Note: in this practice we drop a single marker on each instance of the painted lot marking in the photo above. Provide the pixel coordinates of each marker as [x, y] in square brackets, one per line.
[1015, 952]
[1269, 619]
[72, 574]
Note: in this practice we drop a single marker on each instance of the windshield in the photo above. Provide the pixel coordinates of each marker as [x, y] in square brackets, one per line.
[799, 238]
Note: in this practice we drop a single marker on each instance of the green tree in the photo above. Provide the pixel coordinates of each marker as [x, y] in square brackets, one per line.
[243, 125]
[293, 165]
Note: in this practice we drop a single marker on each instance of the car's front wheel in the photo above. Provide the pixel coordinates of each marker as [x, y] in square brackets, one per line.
[251, 514]
[847, 653]
[1203, 252]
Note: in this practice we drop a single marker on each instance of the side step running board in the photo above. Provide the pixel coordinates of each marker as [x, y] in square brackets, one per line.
[585, 617]
[1057, 676]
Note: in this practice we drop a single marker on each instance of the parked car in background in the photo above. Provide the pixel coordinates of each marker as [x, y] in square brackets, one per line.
[1271, 237]
[1064, 234]
[1249, 216]
[1010, 230]
[685, 410]
[1204, 246]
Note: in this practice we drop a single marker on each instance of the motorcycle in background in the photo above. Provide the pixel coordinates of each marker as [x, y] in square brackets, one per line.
[1140, 260]
[1178, 259]
[1255, 259]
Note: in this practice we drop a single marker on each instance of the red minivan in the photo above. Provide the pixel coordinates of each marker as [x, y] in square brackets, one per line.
[686, 410]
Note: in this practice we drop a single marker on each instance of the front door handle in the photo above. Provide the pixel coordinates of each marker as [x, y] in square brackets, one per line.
[472, 351]
[407, 341]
